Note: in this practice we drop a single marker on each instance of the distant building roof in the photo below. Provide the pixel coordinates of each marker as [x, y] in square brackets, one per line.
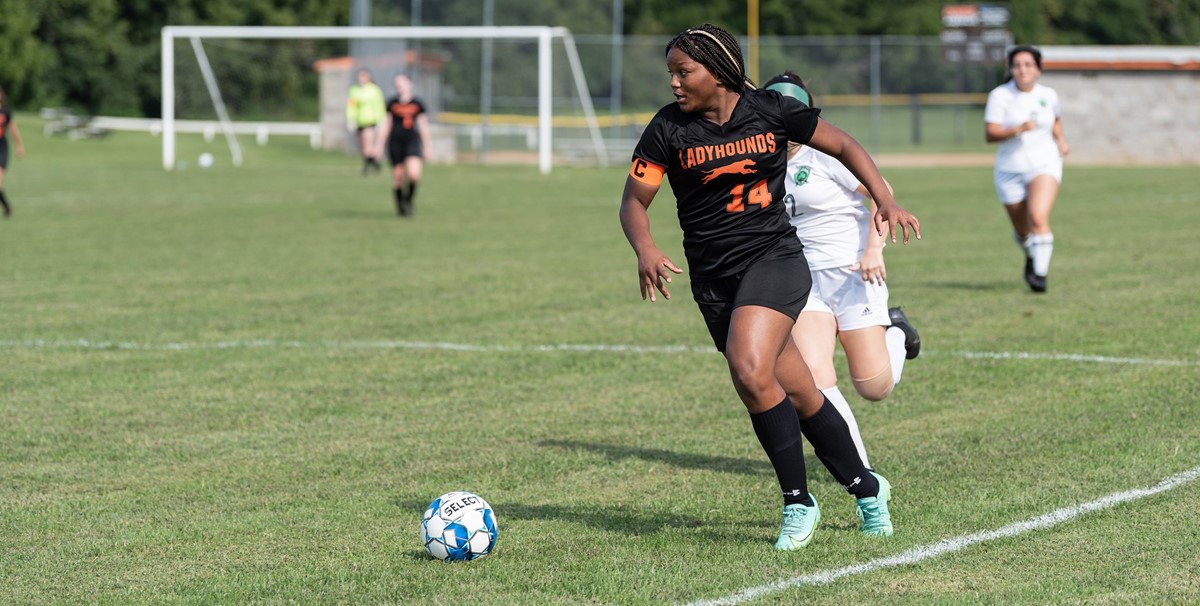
[425, 60]
[1121, 58]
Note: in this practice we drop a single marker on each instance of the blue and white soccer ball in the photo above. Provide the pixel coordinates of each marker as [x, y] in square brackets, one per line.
[458, 526]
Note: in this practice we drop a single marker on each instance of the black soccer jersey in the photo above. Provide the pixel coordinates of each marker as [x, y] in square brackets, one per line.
[404, 118]
[728, 180]
[5, 120]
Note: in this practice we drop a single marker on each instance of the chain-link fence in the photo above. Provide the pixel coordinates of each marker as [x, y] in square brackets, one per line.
[894, 94]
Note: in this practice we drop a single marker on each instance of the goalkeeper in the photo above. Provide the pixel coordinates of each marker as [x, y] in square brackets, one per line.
[364, 112]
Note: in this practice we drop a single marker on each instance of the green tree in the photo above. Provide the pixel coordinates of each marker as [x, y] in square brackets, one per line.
[25, 59]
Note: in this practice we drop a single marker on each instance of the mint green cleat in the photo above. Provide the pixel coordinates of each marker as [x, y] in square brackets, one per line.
[873, 511]
[799, 524]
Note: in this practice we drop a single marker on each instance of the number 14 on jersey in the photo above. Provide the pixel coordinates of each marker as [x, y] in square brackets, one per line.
[759, 194]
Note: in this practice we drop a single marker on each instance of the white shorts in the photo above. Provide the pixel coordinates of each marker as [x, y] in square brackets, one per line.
[1014, 187]
[853, 302]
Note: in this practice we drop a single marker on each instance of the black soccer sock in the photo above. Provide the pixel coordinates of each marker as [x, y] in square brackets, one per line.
[4, 203]
[830, 437]
[401, 205]
[778, 431]
[412, 191]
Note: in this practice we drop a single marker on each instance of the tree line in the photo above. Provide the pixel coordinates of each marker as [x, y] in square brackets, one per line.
[103, 56]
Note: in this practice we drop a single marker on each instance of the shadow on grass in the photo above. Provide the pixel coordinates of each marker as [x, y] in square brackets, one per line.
[383, 212]
[677, 459]
[624, 519]
[634, 519]
[993, 286]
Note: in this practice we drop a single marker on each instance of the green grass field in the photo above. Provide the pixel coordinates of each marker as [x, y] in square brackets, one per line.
[244, 386]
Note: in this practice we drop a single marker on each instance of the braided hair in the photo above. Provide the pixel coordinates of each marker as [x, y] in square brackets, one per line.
[717, 50]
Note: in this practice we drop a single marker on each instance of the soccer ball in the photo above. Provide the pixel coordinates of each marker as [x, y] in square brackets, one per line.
[205, 160]
[458, 526]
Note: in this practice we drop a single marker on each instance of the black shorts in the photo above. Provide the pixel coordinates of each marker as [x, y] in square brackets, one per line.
[778, 280]
[399, 149]
[3, 153]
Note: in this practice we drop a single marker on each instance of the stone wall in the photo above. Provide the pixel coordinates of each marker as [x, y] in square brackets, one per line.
[1128, 105]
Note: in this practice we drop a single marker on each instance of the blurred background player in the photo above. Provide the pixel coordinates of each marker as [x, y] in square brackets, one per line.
[849, 297]
[1024, 117]
[747, 268]
[8, 130]
[364, 112]
[406, 134]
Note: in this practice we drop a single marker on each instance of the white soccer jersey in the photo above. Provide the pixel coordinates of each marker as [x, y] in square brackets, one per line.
[826, 209]
[1009, 107]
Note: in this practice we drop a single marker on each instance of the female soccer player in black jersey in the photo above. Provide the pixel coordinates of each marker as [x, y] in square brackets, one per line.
[723, 146]
[8, 130]
[406, 134]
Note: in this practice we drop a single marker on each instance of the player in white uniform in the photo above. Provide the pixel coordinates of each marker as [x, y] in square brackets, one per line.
[1025, 118]
[849, 297]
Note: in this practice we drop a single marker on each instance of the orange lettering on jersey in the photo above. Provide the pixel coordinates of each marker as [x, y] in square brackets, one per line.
[405, 112]
[647, 172]
[693, 157]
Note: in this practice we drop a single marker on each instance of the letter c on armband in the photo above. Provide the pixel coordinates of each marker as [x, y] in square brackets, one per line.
[647, 172]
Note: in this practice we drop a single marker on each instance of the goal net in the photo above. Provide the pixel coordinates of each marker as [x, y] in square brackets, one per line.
[493, 94]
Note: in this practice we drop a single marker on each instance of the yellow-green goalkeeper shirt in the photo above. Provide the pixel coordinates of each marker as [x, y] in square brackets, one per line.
[365, 107]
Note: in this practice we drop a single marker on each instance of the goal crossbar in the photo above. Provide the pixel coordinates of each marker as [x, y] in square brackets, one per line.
[544, 35]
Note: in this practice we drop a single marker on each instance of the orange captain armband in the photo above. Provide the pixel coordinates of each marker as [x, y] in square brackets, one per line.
[647, 172]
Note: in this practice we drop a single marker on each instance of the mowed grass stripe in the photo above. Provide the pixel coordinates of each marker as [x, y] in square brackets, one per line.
[548, 348]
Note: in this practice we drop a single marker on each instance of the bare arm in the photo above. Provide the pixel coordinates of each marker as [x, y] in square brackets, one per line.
[654, 267]
[837, 143]
[423, 131]
[1060, 138]
[994, 133]
[384, 131]
[18, 145]
[871, 264]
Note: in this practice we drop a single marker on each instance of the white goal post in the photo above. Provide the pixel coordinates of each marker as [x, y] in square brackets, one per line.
[544, 35]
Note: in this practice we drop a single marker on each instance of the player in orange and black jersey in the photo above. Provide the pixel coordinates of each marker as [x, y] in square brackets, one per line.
[723, 146]
[406, 135]
[8, 129]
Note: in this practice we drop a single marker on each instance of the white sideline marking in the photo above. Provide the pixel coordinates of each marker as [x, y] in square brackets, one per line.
[433, 345]
[1075, 358]
[945, 546]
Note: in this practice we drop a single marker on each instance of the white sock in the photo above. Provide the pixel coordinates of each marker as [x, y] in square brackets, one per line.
[894, 337]
[1041, 247]
[839, 402]
[1020, 243]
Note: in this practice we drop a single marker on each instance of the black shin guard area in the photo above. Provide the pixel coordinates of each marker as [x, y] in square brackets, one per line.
[778, 431]
[830, 437]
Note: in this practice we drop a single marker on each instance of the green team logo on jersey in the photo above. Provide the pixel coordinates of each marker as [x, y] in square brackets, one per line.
[802, 175]
[1042, 101]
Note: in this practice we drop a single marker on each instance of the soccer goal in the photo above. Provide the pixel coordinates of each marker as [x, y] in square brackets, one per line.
[489, 87]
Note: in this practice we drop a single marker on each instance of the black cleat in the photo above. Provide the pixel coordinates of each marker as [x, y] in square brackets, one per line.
[1036, 283]
[912, 340]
